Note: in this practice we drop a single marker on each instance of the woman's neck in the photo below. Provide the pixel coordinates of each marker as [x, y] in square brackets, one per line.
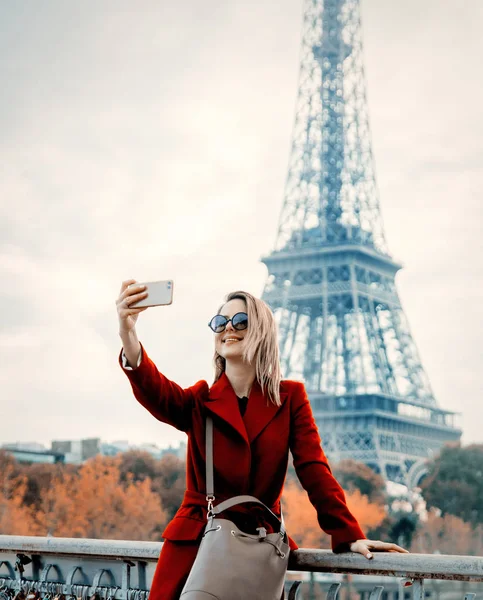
[241, 376]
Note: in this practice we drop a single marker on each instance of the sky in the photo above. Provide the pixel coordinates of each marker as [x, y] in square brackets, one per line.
[151, 141]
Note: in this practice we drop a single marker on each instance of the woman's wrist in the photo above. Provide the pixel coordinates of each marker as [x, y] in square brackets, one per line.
[128, 335]
[131, 346]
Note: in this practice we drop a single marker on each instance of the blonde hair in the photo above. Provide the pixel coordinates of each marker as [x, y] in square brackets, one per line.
[261, 345]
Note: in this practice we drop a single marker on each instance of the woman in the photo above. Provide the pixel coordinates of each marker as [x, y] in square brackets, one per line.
[257, 420]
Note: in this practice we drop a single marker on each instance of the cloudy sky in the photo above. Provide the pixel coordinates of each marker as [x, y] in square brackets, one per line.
[150, 140]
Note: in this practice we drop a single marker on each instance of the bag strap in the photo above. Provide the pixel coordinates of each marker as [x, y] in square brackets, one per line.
[210, 487]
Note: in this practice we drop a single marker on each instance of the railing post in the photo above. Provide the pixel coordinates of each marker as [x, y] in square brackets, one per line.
[417, 589]
[312, 586]
[400, 591]
[333, 591]
[376, 592]
[142, 574]
[126, 576]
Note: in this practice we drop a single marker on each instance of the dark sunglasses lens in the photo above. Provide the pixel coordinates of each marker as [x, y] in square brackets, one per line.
[218, 323]
[240, 321]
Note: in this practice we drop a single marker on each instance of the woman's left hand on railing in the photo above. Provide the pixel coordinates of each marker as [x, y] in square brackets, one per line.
[365, 546]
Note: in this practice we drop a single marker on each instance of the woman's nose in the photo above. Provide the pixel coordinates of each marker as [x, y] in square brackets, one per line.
[229, 326]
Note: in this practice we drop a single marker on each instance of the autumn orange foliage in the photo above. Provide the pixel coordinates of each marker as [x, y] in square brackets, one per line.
[90, 503]
[301, 518]
[132, 496]
[369, 514]
[15, 517]
[448, 535]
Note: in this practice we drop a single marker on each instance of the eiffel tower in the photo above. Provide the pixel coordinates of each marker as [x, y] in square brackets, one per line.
[331, 280]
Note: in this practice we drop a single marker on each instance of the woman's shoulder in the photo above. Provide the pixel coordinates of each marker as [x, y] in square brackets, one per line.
[200, 388]
[291, 385]
[295, 392]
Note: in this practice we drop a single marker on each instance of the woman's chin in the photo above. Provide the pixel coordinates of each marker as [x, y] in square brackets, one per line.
[232, 354]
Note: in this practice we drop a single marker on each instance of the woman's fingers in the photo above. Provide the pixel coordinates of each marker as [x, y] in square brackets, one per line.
[133, 297]
[125, 310]
[128, 288]
[361, 548]
[135, 311]
[386, 547]
[126, 284]
[130, 293]
[122, 292]
[364, 547]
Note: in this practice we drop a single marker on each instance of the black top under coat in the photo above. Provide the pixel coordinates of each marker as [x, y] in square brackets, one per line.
[242, 403]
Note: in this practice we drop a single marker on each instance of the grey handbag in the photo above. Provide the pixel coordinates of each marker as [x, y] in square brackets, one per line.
[232, 564]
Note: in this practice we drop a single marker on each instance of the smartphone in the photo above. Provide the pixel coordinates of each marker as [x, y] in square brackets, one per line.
[160, 293]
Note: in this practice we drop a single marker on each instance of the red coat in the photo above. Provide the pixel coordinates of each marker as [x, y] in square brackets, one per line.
[250, 452]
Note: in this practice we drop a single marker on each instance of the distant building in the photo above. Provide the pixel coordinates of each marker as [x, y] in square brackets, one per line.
[180, 451]
[77, 451]
[115, 448]
[34, 456]
[108, 449]
[118, 447]
[152, 449]
[121, 445]
[34, 446]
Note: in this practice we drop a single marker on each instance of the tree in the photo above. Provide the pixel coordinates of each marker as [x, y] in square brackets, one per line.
[170, 483]
[95, 503]
[168, 476]
[454, 483]
[368, 514]
[448, 535]
[7, 461]
[138, 463]
[402, 528]
[15, 517]
[301, 517]
[353, 475]
[39, 477]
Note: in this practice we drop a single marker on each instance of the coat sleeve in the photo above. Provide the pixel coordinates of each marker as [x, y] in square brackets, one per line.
[164, 399]
[316, 477]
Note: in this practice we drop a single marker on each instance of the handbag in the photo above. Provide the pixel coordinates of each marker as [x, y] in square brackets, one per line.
[232, 564]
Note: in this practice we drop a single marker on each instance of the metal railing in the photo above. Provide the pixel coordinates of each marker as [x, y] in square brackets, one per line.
[122, 570]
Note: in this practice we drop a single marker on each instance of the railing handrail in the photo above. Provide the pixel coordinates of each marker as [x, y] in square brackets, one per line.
[109, 549]
[417, 566]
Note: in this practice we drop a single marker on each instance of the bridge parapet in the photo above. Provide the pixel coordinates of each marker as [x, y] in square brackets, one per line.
[47, 567]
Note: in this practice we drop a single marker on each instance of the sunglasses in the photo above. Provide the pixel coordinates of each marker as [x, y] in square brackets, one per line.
[239, 321]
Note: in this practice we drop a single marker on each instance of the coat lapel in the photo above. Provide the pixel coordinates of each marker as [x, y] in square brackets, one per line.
[260, 411]
[223, 402]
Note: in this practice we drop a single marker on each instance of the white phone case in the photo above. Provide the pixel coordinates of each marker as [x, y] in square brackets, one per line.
[160, 293]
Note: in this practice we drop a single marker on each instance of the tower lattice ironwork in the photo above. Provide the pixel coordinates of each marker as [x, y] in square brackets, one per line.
[331, 279]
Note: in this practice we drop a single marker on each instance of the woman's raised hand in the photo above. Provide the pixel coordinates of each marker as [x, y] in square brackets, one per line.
[127, 296]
